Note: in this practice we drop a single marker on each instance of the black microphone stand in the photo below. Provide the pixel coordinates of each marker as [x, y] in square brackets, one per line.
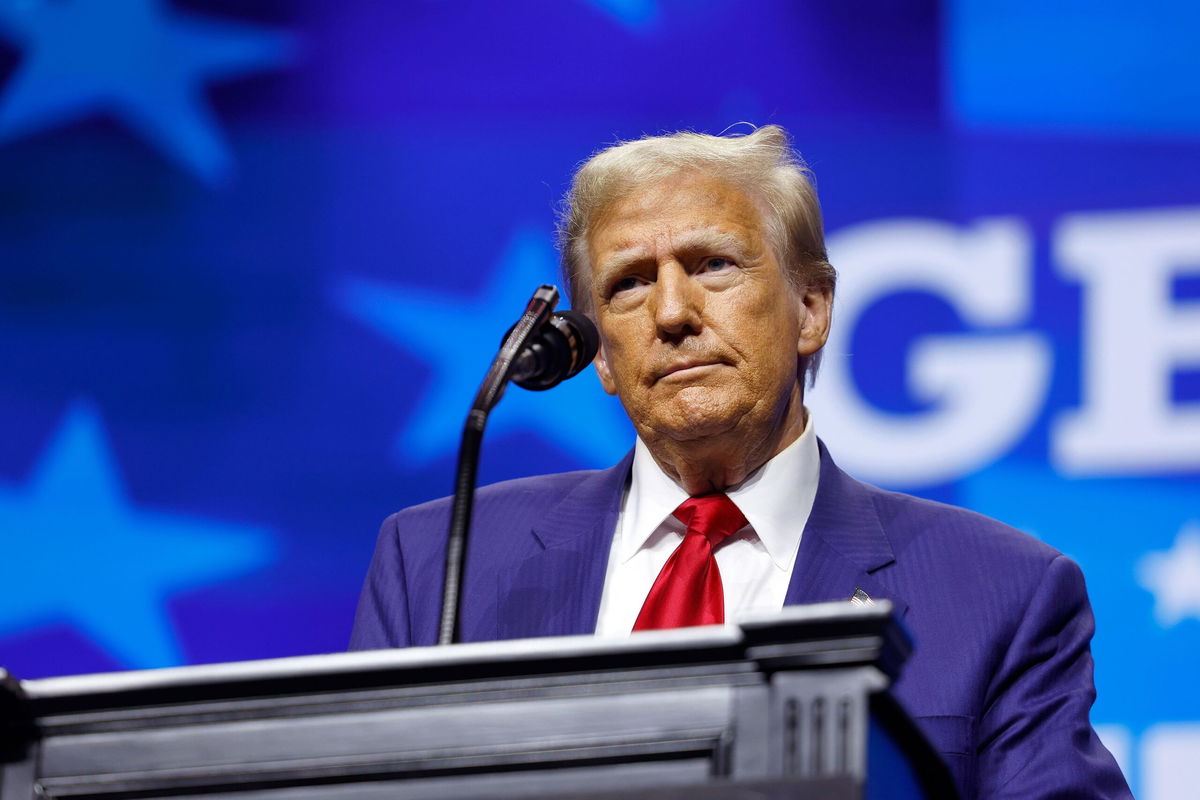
[536, 313]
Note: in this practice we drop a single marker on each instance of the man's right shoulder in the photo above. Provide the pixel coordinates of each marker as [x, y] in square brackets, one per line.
[536, 493]
[504, 519]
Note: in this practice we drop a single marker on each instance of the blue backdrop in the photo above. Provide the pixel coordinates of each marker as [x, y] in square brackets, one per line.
[235, 238]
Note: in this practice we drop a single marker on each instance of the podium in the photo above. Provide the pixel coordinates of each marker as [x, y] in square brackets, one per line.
[791, 705]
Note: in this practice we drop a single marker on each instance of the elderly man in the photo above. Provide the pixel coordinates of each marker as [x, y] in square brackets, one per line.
[702, 261]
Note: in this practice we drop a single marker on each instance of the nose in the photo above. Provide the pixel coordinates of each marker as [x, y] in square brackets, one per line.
[678, 302]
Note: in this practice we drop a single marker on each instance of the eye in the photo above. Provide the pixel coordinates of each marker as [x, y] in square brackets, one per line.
[717, 264]
[624, 285]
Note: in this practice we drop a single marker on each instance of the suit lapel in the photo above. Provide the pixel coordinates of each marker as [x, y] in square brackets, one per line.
[844, 546]
[556, 590]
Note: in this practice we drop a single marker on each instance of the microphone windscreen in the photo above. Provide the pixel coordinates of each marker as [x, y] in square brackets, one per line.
[585, 339]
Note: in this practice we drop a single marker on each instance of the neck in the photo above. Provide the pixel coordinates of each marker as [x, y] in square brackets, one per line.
[713, 464]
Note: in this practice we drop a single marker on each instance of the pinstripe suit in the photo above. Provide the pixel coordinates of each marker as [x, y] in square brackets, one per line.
[1001, 677]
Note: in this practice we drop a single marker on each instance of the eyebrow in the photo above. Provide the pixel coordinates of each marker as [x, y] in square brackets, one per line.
[688, 241]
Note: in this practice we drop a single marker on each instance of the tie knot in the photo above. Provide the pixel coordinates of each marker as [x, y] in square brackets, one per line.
[713, 515]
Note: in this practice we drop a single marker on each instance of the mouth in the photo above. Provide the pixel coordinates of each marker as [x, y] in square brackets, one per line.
[684, 370]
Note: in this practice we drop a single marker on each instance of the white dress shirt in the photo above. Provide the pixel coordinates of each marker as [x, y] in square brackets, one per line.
[755, 563]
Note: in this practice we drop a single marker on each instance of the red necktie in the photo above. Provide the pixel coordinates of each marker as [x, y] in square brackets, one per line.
[688, 590]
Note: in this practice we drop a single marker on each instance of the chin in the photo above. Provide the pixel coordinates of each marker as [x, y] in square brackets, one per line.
[693, 418]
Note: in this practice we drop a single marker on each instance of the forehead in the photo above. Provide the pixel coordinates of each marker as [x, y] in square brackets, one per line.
[679, 212]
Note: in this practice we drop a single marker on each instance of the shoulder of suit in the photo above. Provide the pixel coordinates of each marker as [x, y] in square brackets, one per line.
[537, 489]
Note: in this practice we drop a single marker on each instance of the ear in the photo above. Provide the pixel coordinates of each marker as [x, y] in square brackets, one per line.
[600, 362]
[816, 313]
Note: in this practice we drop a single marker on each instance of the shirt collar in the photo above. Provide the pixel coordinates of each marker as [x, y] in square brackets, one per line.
[776, 498]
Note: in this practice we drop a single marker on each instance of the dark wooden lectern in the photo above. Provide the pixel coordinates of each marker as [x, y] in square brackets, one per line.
[791, 705]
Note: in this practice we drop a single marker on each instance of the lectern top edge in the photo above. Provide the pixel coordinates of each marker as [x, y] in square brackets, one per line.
[848, 633]
[785, 702]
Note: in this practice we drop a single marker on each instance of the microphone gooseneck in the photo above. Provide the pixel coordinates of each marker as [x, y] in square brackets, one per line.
[541, 350]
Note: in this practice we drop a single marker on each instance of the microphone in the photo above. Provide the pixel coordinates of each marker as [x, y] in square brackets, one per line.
[564, 345]
[541, 350]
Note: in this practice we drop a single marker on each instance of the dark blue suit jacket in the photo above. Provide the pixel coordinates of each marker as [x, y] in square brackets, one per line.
[1001, 677]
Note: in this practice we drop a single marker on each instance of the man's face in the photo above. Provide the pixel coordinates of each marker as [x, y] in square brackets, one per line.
[700, 329]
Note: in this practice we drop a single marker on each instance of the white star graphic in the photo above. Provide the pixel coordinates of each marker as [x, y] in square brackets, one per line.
[1174, 577]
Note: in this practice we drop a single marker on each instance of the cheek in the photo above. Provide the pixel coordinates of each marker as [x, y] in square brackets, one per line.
[775, 339]
[622, 367]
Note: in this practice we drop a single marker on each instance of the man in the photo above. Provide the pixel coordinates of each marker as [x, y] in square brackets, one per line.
[702, 261]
